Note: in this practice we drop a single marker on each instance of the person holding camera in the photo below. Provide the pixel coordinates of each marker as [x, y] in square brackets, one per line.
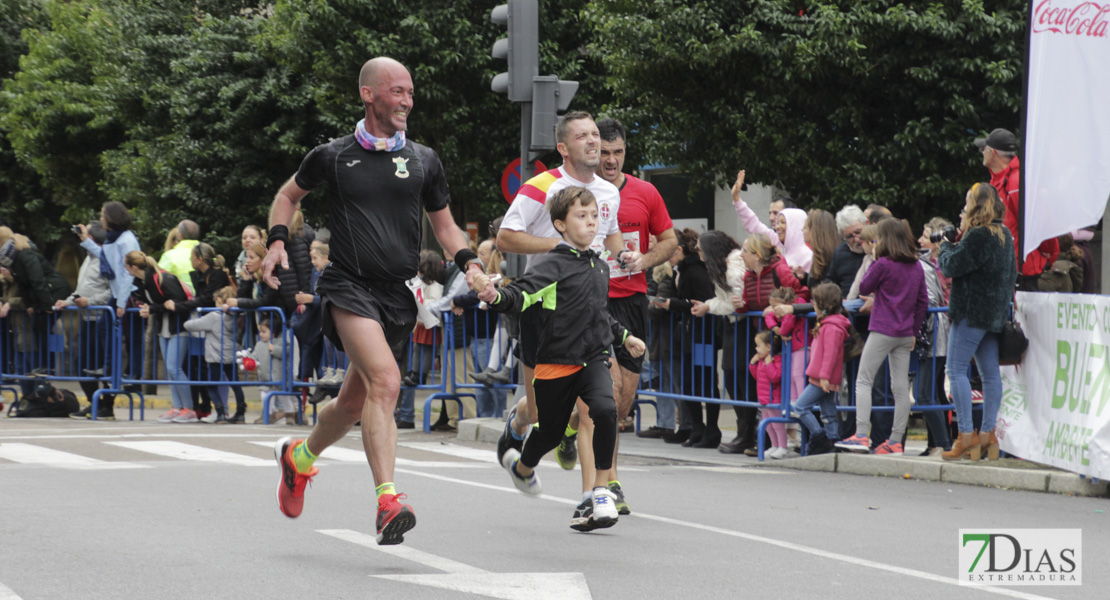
[983, 269]
[93, 336]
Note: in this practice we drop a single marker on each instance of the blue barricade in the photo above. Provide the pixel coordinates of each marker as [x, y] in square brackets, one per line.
[67, 345]
[687, 370]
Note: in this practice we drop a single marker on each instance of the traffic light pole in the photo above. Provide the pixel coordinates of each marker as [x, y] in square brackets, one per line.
[527, 168]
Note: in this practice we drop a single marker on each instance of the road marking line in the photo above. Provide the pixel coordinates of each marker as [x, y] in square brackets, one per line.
[861, 562]
[488, 457]
[348, 455]
[38, 455]
[190, 452]
[472, 580]
[407, 552]
[7, 594]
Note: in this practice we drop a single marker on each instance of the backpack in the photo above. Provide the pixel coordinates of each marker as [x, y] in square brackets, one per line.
[1064, 276]
[47, 401]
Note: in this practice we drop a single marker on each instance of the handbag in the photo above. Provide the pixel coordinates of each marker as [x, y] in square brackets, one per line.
[1012, 344]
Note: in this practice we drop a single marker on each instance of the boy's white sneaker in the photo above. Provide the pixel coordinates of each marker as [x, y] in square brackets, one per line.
[529, 485]
[605, 507]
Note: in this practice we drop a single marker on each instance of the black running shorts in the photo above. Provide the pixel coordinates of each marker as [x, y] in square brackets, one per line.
[630, 311]
[391, 304]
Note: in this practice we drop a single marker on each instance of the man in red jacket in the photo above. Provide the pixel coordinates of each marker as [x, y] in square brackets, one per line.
[999, 156]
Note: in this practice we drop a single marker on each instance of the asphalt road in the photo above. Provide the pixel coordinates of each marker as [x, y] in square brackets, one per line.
[141, 510]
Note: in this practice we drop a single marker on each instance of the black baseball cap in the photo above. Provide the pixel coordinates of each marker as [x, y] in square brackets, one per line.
[999, 139]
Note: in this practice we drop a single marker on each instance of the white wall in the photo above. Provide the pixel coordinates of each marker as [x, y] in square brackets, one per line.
[757, 196]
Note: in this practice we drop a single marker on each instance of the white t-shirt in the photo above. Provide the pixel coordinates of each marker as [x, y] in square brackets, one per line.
[528, 212]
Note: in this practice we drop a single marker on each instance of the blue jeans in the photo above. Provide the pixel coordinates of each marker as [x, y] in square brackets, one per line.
[815, 396]
[486, 398]
[651, 377]
[423, 357]
[965, 342]
[174, 350]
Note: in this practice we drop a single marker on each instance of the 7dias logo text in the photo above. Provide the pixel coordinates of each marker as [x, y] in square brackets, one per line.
[1021, 557]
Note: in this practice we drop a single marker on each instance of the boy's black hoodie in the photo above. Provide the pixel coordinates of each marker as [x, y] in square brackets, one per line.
[572, 288]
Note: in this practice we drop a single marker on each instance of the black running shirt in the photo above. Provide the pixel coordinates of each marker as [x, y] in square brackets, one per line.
[375, 201]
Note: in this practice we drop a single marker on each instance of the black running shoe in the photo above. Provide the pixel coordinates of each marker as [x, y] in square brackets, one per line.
[84, 413]
[507, 440]
[566, 453]
[580, 521]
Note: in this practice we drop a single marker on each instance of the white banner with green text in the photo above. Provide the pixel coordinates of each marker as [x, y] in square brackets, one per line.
[1054, 405]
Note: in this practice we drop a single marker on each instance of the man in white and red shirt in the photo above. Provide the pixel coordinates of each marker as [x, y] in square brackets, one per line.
[1000, 158]
[642, 214]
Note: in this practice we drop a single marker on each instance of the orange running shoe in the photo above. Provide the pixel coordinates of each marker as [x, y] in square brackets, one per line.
[290, 491]
[394, 519]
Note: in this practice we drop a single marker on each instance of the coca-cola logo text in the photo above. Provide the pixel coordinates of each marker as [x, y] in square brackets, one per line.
[1086, 18]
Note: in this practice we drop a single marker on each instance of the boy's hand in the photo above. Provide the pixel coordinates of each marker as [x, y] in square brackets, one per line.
[635, 346]
[825, 385]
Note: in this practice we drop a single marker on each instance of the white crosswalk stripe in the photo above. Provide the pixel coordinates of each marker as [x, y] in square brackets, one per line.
[182, 451]
[39, 455]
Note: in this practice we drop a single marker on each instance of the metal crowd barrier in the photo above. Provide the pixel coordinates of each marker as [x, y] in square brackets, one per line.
[697, 338]
[69, 345]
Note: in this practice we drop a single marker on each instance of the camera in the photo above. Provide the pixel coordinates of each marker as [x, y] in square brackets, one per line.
[948, 233]
[76, 229]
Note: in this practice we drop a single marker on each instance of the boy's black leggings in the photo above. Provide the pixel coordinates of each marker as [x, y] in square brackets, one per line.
[555, 399]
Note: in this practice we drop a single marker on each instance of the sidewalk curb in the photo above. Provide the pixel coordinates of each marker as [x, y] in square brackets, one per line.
[1007, 473]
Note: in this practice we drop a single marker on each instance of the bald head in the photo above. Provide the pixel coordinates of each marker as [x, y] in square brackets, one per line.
[373, 70]
[189, 230]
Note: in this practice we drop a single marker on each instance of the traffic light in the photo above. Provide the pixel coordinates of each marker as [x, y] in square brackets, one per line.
[521, 48]
[550, 98]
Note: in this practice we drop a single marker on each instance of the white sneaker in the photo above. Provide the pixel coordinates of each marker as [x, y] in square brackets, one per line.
[605, 507]
[328, 374]
[337, 379]
[529, 485]
[170, 416]
[777, 453]
[211, 418]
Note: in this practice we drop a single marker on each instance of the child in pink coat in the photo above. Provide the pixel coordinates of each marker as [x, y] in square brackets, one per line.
[766, 368]
[826, 364]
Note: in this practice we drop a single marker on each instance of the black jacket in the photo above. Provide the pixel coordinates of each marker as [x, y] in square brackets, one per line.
[206, 285]
[153, 290]
[693, 283]
[298, 277]
[572, 287]
[269, 297]
[40, 284]
[842, 270]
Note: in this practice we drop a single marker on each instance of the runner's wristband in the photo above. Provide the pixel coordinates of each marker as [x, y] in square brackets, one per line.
[464, 257]
[277, 232]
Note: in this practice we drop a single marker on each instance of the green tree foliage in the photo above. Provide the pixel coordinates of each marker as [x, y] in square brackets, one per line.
[838, 101]
[202, 108]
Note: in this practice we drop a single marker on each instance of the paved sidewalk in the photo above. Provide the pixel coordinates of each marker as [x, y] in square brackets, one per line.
[1007, 473]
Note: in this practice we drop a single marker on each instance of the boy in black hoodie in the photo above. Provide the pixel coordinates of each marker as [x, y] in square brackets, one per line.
[571, 284]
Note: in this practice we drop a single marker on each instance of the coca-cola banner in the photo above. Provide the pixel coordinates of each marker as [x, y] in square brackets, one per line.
[1067, 129]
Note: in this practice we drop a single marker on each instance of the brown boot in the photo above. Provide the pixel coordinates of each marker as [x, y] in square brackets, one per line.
[990, 443]
[966, 445]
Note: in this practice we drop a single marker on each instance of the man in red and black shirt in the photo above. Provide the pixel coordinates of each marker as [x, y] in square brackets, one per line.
[999, 156]
[642, 214]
